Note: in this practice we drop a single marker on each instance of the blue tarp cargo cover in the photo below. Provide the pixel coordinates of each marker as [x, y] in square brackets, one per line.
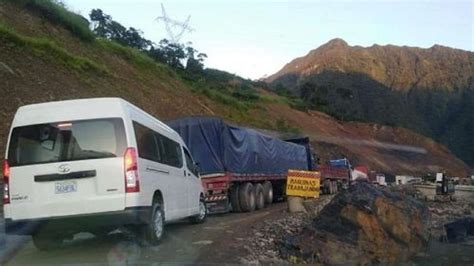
[219, 147]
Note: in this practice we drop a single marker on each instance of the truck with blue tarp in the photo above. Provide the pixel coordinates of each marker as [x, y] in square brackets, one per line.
[242, 169]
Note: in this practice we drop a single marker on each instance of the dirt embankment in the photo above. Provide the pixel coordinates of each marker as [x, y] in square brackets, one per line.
[31, 76]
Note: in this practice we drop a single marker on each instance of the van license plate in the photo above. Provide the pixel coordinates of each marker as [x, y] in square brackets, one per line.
[65, 187]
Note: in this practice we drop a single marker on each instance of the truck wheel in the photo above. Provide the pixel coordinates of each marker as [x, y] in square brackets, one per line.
[44, 242]
[154, 229]
[234, 198]
[268, 192]
[201, 217]
[330, 187]
[247, 197]
[325, 188]
[259, 197]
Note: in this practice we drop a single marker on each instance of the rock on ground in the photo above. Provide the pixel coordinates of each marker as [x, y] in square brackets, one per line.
[362, 225]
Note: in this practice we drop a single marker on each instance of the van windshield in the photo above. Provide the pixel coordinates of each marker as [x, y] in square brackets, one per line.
[67, 141]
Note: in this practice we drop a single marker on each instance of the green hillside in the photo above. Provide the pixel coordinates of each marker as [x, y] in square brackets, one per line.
[430, 91]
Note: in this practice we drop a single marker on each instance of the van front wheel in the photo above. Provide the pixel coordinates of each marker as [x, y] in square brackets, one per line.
[155, 228]
[201, 217]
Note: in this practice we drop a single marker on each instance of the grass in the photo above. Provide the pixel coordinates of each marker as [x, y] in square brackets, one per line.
[298, 104]
[58, 14]
[133, 55]
[273, 98]
[47, 48]
[225, 99]
[283, 126]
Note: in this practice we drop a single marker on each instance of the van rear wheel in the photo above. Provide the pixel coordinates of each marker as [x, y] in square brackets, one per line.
[45, 242]
[154, 229]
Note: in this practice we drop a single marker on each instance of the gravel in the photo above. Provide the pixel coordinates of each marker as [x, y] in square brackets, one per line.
[265, 239]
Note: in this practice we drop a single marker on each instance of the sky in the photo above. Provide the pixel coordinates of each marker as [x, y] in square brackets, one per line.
[255, 38]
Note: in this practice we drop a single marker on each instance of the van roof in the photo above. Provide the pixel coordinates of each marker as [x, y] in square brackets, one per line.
[78, 109]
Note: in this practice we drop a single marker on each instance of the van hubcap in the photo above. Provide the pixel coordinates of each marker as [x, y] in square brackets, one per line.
[158, 224]
[202, 210]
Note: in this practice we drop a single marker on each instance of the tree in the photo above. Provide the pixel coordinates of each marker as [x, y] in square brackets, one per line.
[194, 64]
[176, 55]
[105, 27]
[169, 53]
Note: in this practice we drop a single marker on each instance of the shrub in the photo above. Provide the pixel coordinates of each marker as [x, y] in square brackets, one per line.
[246, 95]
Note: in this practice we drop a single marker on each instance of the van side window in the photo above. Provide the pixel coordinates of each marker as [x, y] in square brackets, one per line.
[146, 142]
[170, 151]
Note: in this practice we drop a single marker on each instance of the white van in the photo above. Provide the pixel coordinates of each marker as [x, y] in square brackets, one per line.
[94, 165]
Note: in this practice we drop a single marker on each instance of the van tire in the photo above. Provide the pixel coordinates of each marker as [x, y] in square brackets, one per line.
[259, 197]
[154, 229]
[247, 197]
[268, 192]
[234, 198]
[44, 242]
[201, 217]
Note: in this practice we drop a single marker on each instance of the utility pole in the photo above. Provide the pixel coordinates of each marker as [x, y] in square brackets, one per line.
[171, 25]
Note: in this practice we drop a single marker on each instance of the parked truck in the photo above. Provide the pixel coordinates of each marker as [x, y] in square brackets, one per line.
[335, 175]
[241, 169]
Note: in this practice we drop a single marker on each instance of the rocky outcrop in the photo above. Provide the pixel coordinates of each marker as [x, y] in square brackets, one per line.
[362, 225]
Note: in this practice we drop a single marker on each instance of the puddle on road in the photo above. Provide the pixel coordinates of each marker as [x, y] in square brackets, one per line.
[203, 242]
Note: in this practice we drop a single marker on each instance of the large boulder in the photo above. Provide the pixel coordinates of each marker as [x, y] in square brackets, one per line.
[362, 225]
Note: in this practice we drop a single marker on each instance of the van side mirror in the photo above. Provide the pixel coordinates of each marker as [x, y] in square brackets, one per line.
[196, 169]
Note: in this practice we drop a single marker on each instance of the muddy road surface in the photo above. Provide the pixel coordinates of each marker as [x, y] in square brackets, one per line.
[221, 239]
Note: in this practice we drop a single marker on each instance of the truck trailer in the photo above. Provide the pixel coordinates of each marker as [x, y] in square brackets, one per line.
[242, 169]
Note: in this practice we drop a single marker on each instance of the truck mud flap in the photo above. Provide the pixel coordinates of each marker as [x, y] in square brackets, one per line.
[217, 204]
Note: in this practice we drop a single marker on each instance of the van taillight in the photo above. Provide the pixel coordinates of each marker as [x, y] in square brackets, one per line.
[6, 182]
[132, 182]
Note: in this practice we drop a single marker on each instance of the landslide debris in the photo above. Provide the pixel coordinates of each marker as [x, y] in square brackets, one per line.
[362, 225]
[265, 240]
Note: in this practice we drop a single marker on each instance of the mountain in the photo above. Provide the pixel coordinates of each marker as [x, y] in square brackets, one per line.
[429, 90]
[45, 61]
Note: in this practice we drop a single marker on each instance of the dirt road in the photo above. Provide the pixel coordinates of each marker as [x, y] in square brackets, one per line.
[222, 239]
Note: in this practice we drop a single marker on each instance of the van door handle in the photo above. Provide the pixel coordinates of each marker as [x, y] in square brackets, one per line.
[151, 169]
[72, 175]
